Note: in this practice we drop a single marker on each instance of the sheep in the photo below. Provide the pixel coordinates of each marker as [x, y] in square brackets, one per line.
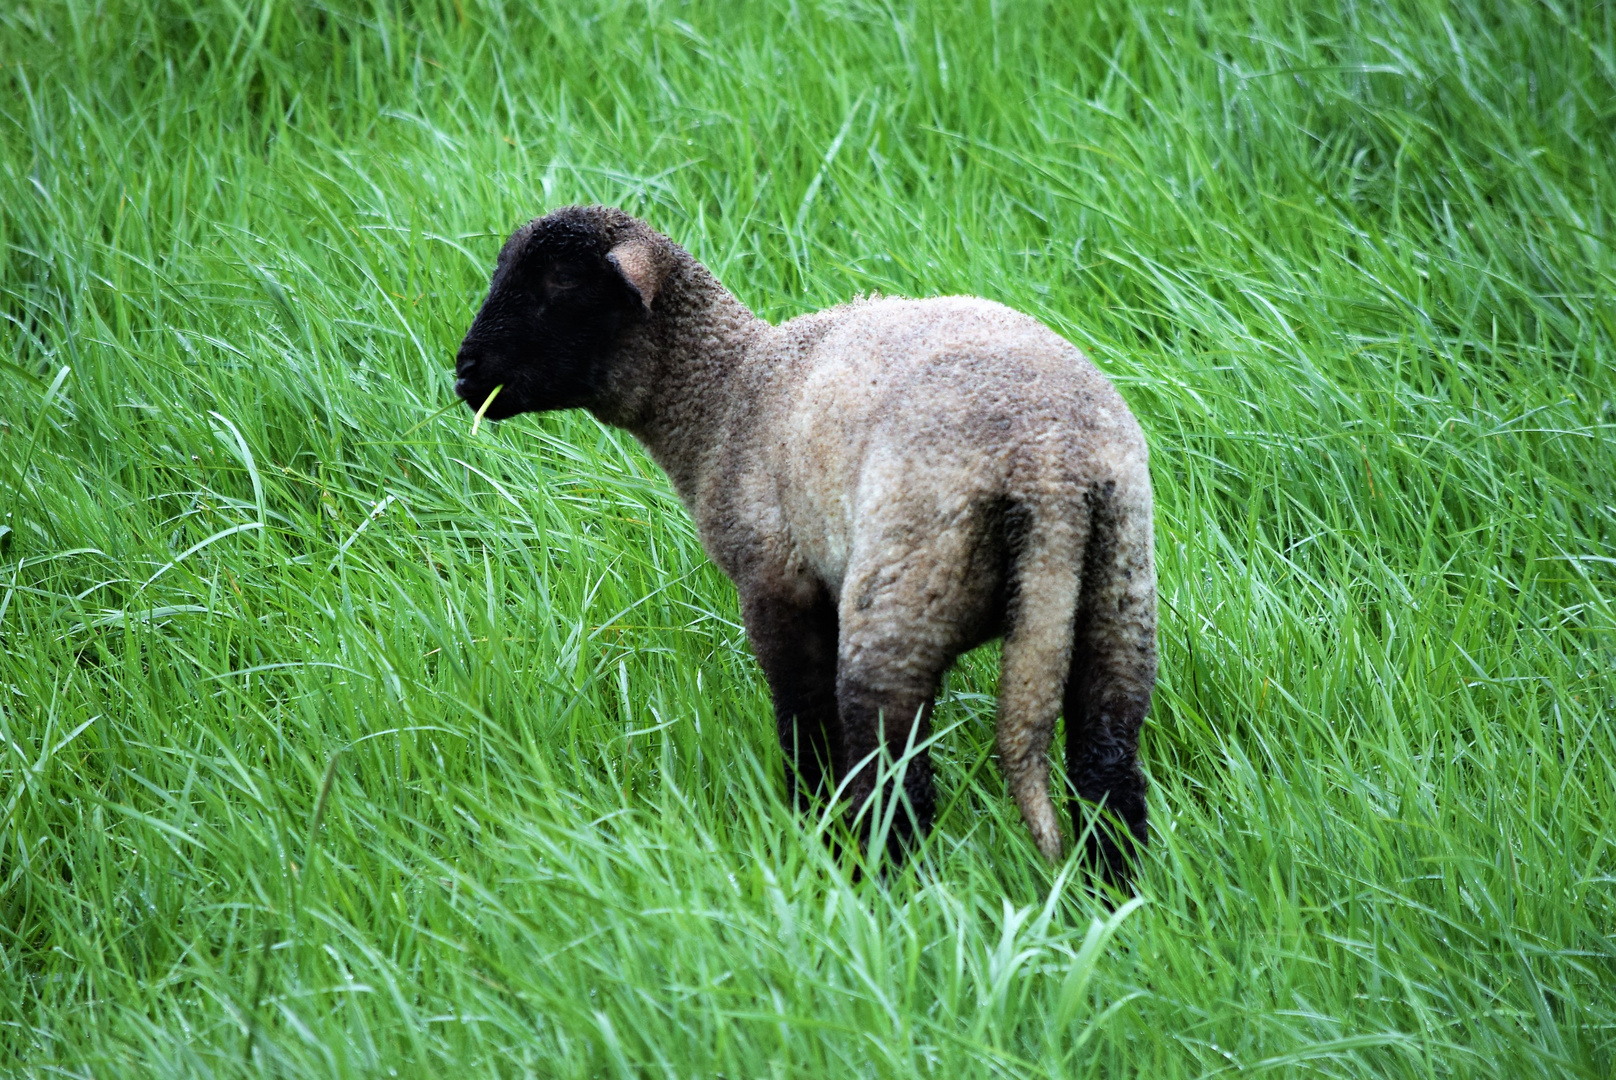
[889, 483]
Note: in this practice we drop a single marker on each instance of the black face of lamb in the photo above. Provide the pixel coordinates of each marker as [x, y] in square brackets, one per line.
[554, 309]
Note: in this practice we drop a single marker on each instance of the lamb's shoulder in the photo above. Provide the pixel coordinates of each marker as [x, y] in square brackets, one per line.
[741, 503]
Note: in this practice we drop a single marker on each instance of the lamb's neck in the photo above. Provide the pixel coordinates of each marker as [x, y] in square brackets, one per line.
[697, 344]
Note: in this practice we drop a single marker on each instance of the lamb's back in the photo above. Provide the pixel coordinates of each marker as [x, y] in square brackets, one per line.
[896, 411]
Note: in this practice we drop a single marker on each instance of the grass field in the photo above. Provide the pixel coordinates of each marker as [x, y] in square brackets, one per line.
[341, 739]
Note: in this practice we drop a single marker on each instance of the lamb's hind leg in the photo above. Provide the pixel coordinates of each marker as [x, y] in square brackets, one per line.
[883, 718]
[794, 640]
[893, 652]
[1113, 672]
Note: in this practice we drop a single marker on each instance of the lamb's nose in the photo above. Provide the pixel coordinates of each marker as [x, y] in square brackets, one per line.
[465, 360]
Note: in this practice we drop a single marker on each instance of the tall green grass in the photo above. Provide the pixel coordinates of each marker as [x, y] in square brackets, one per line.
[337, 739]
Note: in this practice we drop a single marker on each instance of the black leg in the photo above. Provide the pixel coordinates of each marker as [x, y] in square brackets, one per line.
[1109, 686]
[872, 720]
[1102, 744]
[795, 643]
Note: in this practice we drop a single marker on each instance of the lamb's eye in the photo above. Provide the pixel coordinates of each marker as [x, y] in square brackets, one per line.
[561, 278]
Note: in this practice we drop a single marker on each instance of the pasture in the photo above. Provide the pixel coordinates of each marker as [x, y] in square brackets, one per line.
[342, 737]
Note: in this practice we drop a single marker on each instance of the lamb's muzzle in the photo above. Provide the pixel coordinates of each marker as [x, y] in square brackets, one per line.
[888, 483]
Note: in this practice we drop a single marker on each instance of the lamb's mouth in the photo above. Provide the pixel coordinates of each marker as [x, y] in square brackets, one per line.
[476, 392]
[488, 402]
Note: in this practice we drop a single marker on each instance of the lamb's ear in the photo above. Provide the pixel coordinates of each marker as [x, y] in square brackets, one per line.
[641, 265]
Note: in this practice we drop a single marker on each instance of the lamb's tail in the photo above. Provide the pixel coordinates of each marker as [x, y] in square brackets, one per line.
[1046, 575]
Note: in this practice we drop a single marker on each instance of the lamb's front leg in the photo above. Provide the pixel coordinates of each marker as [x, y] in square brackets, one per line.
[794, 640]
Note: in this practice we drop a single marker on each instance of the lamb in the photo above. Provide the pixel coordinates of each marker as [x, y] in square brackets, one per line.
[889, 483]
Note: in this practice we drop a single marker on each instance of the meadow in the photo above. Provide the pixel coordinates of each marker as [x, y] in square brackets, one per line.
[340, 737]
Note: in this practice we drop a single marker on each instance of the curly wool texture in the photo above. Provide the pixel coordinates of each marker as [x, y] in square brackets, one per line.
[890, 483]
